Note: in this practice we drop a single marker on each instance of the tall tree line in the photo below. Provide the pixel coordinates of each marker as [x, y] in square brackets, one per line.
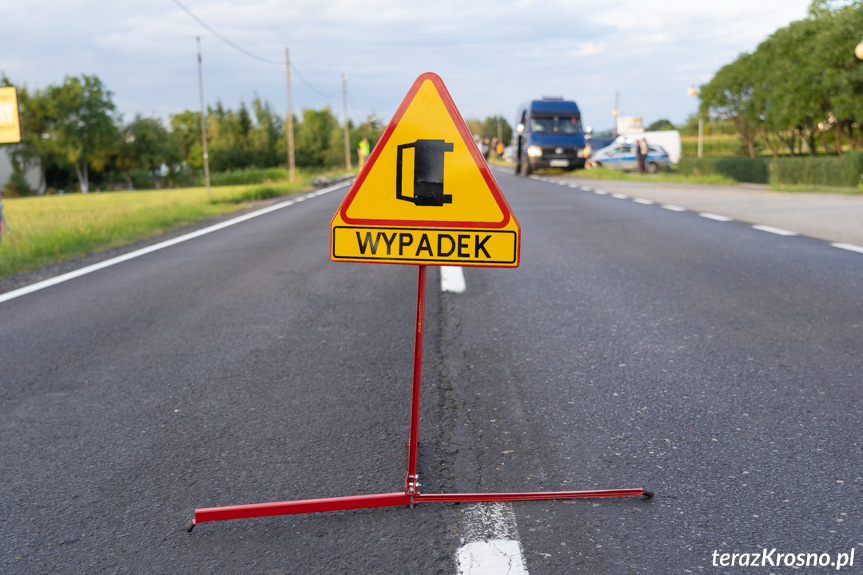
[74, 134]
[800, 89]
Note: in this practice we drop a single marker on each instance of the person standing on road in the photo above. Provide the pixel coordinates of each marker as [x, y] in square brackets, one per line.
[363, 152]
[641, 154]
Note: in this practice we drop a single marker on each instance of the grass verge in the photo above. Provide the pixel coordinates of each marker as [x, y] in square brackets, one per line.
[50, 229]
[811, 189]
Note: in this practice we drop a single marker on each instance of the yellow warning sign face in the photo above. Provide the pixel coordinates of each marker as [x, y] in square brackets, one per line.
[426, 194]
[10, 125]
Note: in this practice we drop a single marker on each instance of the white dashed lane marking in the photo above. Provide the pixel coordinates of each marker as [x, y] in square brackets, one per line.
[849, 247]
[772, 230]
[491, 543]
[452, 279]
[715, 217]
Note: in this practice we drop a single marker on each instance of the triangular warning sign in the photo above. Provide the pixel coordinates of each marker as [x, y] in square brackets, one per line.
[426, 194]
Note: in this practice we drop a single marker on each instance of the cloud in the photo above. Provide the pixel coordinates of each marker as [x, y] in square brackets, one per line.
[491, 55]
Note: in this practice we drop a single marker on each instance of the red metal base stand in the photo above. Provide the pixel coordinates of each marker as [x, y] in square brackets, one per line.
[411, 494]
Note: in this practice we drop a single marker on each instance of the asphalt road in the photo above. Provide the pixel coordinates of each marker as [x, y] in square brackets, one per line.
[712, 363]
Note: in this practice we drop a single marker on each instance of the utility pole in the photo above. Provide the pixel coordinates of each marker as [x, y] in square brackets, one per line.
[615, 113]
[203, 120]
[347, 130]
[290, 130]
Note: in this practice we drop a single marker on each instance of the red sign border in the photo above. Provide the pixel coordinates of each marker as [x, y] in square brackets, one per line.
[468, 141]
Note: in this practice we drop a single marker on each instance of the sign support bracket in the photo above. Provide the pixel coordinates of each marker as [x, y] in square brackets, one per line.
[411, 494]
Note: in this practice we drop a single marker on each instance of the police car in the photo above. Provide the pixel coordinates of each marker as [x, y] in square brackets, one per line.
[622, 156]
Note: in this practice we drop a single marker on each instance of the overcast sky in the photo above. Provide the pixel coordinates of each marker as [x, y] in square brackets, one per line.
[491, 55]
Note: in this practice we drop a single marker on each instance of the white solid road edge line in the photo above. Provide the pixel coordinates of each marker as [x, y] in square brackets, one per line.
[156, 247]
[452, 279]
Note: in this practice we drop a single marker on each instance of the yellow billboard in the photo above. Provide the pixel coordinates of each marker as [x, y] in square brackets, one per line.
[10, 125]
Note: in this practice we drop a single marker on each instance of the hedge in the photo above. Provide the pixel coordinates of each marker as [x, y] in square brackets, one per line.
[844, 171]
[753, 170]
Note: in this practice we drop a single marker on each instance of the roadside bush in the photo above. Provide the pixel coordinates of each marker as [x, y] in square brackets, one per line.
[226, 160]
[843, 171]
[750, 170]
[247, 176]
[17, 186]
[254, 194]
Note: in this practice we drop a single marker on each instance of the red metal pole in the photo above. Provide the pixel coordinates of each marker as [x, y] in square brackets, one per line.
[301, 506]
[542, 495]
[412, 481]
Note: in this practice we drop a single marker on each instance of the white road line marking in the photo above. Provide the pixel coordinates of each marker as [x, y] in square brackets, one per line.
[452, 279]
[642, 201]
[673, 208]
[849, 247]
[600, 192]
[491, 557]
[156, 247]
[715, 217]
[491, 543]
[620, 196]
[582, 187]
[772, 230]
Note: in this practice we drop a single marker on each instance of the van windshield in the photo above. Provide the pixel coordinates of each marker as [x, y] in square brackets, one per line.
[556, 125]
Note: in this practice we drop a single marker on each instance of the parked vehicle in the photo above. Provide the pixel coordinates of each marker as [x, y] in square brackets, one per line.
[593, 143]
[509, 153]
[549, 135]
[668, 139]
[622, 156]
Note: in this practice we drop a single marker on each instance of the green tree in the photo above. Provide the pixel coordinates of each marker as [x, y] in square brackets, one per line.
[87, 133]
[661, 124]
[490, 127]
[729, 95]
[801, 85]
[267, 132]
[186, 133]
[242, 127]
[147, 145]
[314, 138]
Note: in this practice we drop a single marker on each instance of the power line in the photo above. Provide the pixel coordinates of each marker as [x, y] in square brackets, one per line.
[239, 48]
[224, 39]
